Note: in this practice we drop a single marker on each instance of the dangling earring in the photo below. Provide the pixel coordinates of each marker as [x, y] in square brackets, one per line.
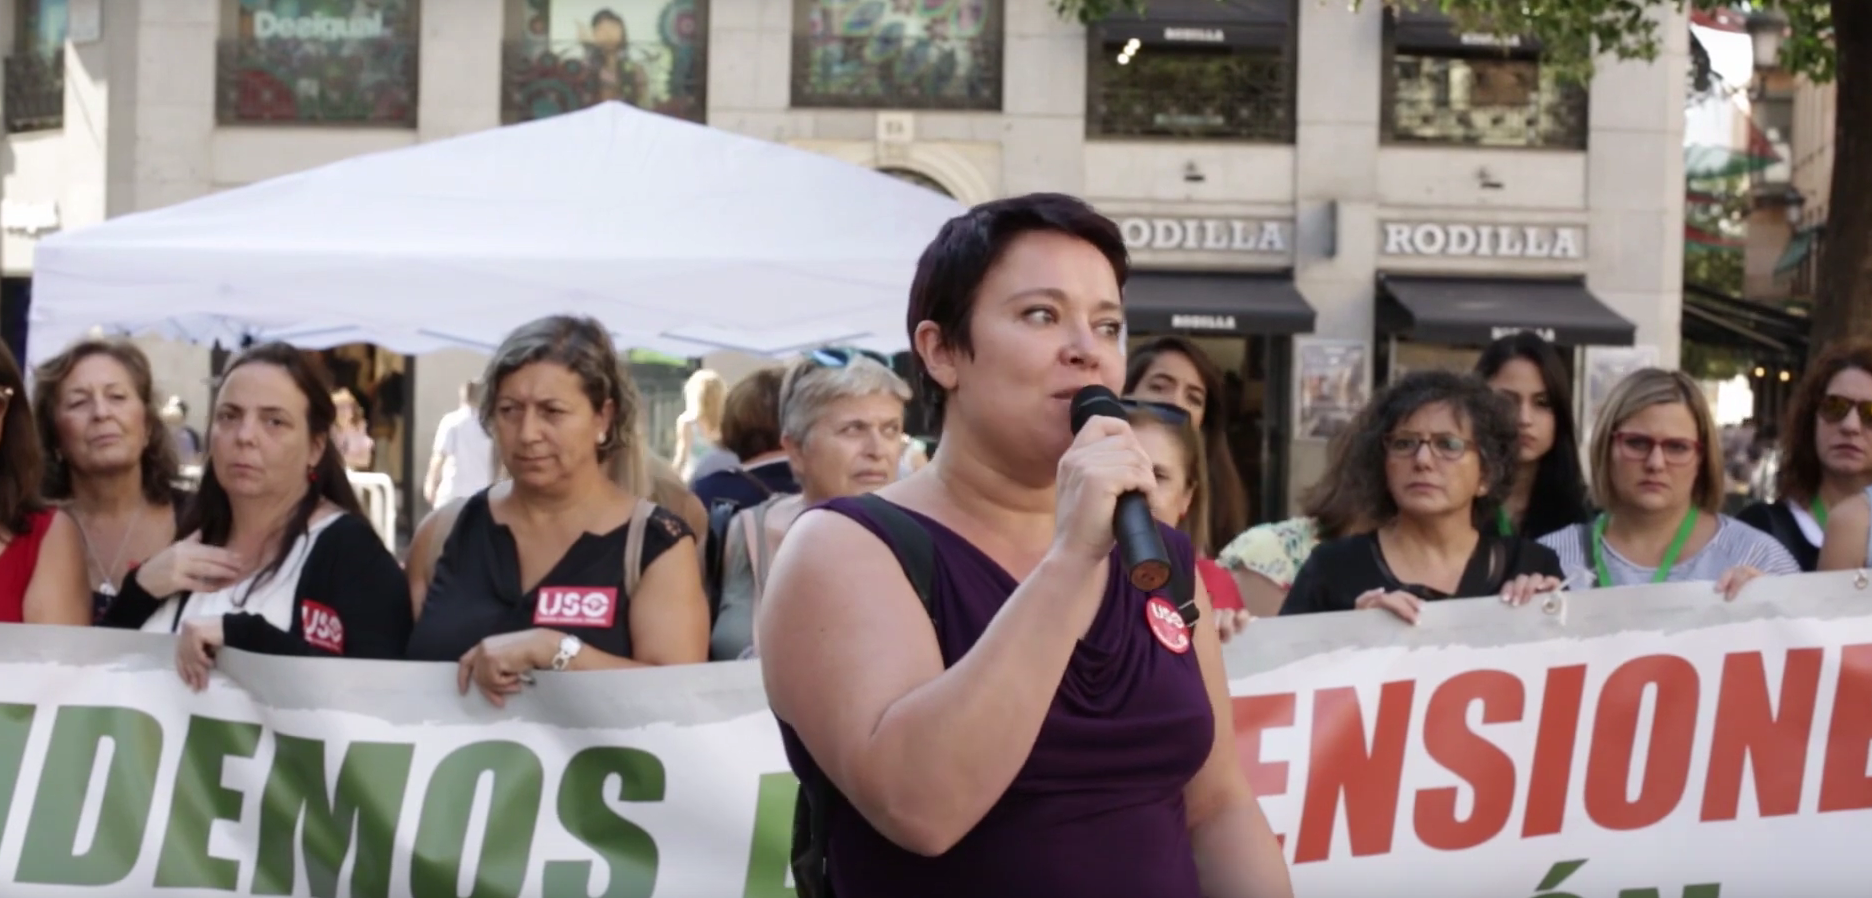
[311, 473]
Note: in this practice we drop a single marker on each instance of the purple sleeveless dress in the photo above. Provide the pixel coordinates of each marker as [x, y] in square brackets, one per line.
[1097, 811]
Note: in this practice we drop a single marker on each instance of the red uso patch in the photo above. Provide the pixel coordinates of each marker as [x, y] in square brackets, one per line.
[575, 606]
[1167, 625]
[321, 626]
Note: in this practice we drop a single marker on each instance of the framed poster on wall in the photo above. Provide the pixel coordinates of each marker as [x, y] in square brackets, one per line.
[1332, 382]
[1605, 367]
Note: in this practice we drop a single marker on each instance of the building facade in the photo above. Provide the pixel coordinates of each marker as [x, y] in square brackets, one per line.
[1320, 196]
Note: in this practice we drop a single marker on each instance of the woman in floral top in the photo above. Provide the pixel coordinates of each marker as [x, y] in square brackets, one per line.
[1264, 558]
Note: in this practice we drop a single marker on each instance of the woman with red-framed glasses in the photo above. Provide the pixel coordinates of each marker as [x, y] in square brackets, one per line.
[1657, 473]
[1826, 455]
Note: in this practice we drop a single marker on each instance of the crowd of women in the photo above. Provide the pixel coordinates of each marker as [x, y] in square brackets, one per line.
[993, 714]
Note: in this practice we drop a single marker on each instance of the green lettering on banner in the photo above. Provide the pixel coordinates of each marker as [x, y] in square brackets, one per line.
[49, 855]
[583, 811]
[198, 800]
[513, 814]
[770, 858]
[15, 726]
[367, 802]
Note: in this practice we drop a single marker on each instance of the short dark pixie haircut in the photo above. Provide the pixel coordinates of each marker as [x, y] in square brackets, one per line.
[951, 271]
[1492, 427]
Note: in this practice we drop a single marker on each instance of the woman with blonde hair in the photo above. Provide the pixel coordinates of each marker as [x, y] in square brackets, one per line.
[698, 428]
[1657, 473]
[568, 565]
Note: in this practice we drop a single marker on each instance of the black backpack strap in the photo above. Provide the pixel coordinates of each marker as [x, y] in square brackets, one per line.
[912, 545]
[916, 552]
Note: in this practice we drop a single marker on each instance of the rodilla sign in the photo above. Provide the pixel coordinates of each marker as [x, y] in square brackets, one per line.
[1631, 743]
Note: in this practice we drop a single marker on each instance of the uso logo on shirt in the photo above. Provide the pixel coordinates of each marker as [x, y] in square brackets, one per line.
[575, 606]
[323, 629]
[1167, 625]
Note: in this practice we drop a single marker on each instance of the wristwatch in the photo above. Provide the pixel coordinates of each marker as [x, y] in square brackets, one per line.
[569, 648]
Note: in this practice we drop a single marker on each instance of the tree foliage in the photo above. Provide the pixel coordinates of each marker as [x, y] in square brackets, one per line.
[1569, 30]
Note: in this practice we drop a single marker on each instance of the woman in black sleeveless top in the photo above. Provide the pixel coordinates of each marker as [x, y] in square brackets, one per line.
[533, 573]
[109, 458]
[1432, 455]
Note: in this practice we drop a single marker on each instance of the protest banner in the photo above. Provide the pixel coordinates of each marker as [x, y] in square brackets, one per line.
[1635, 743]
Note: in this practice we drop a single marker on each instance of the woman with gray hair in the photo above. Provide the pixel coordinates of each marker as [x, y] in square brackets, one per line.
[1433, 456]
[841, 424]
[568, 565]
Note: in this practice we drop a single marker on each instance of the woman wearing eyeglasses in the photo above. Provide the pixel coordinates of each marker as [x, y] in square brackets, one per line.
[1826, 452]
[1549, 490]
[841, 423]
[1433, 456]
[1658, 476]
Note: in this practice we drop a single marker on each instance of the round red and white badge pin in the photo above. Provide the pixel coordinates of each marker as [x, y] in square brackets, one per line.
[1167, 625]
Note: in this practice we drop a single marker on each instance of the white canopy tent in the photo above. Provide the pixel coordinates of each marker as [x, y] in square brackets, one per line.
[681, 238]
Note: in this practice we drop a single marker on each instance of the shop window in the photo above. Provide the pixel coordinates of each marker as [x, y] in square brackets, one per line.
[318, 61]
[867, 54]
[1190, 92]
[563, 55]
[35, 70]
[1481, 90]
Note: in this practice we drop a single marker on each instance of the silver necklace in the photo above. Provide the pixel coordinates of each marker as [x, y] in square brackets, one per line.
[105, 586]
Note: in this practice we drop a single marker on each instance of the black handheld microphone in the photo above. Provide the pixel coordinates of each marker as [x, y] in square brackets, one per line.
[1140, 546]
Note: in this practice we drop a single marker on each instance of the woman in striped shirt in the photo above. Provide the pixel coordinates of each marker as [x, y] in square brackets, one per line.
[1657, 470]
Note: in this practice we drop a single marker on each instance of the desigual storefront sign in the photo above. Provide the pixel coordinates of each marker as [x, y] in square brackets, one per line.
[1447, 240]
[318, 26]
[1216, 235]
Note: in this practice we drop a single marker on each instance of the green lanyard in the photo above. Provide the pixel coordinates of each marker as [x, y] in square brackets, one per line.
[1503, 523]
[1819, 510]
[1670, 553]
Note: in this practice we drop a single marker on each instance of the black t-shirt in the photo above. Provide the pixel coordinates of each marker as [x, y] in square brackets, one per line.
[1340, 571]
[476, 591]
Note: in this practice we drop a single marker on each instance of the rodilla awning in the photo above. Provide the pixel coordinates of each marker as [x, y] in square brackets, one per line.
[1432, 32]
[1215, 303]
[1216, 23]
[1475, 311]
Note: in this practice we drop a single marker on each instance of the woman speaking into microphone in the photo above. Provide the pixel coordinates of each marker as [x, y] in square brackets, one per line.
[1040, 726]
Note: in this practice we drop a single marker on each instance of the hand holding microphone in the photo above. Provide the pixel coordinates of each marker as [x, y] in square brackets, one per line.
[1103, 481]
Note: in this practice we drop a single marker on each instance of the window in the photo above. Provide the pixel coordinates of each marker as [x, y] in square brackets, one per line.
[324, 61]
[1483, 90]
[563, 55]
[919, 179]
[35, 71]
[900, 55]
[1189, 92]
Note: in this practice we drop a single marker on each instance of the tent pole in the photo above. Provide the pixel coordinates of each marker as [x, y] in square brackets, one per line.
[412, 482]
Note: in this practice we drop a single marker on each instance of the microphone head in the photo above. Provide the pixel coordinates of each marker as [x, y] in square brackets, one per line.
[1092, 400]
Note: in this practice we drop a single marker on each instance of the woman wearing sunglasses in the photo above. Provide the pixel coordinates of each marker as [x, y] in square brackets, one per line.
[841, 423]
[1433, 456]
[1181, 499]
[1826, 452]
[1549, 490]
[1658, 475]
